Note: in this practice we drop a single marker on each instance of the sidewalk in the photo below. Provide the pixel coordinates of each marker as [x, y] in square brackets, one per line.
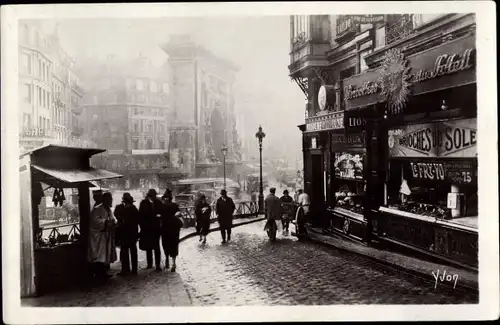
[148, 288]
[467, 280]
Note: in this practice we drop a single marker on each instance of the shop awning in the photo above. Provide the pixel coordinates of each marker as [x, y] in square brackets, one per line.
[77, 175]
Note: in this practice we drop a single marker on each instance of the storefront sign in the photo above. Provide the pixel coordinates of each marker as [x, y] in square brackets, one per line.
[348, 166]
[445, 139]
[354, 140]
[456, 171]
[418, 73]
[325, 122]
[367, 19]
[35, 132]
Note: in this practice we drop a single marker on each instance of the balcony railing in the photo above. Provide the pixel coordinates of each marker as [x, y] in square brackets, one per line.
[398, 27]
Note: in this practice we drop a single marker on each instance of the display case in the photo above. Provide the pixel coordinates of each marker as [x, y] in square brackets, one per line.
[349, 186]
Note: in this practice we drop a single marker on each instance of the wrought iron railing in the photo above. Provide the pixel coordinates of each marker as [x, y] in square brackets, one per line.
[244, 209]
[398, 27]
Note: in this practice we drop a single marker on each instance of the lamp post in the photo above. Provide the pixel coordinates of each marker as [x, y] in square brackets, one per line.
[260, 135]
[224, 153]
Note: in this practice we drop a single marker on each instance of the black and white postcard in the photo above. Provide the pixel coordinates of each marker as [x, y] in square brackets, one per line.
[309, 161]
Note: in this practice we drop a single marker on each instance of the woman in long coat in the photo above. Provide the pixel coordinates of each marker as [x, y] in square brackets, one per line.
[102, 246]
[171, 225]
[203, 212]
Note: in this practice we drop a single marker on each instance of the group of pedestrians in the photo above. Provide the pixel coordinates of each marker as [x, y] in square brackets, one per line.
[283, 209]
[156, 218]
[224, 208]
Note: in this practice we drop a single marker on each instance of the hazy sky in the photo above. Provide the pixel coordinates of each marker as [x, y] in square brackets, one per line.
[258, 45]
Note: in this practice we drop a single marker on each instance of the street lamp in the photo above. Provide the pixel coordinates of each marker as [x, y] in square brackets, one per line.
[224, 153]
[260, 135]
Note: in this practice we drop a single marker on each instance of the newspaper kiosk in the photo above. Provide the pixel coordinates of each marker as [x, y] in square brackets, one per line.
[55, 260]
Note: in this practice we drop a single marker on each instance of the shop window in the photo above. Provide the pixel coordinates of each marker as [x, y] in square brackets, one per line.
[149, 144]
[422, 187]
[348, 184]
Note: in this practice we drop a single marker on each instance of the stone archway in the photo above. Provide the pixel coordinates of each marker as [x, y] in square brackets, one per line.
[217, 126]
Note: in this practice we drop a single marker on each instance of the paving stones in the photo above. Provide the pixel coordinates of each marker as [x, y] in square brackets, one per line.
[250, 270]
[292, 272]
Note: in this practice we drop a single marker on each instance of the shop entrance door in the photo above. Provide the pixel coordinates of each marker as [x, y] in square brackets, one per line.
[317, 188]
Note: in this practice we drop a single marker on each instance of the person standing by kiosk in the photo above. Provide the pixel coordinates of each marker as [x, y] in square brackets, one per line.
[128, 225]
[150, 222]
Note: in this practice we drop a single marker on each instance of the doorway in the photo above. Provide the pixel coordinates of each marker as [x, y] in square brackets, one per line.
[317, 187]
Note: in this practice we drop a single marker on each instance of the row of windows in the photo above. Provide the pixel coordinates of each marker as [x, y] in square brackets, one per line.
[42, 95]
[43, 122]
[41, 70]
[144, 111]
[152, 86]
[148, 126]
[148, 145]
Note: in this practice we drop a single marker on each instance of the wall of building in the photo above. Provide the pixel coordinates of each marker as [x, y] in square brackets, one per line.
[48, 95]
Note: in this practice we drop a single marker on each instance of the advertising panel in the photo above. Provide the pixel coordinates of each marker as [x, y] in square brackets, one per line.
[450, 139]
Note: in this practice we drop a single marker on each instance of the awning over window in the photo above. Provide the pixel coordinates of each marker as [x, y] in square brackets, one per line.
[78, 175]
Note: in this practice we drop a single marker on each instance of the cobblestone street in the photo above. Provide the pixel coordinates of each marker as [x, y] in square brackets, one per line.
[250, 270]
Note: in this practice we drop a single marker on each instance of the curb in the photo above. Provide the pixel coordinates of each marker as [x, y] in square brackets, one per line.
[194, 233]
[463, 286]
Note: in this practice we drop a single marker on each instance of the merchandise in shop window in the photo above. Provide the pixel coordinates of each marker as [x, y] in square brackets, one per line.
[349, 181]
[439, 197]
[350, 198]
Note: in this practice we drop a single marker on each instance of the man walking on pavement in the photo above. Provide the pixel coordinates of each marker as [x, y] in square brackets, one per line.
[225, 208]
[150, 222]
[287, 208]
[128, 224]
[273, 212]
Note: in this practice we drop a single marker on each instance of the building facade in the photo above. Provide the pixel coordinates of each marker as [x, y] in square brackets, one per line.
[50, 94]
[389, 139]
[126, 109]
[203, 115]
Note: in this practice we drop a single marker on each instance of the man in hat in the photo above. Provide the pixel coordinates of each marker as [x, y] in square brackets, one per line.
[225, 208]
[273, 211]
[150, 222]
[102, 248]
[287, 208]
[128, 231]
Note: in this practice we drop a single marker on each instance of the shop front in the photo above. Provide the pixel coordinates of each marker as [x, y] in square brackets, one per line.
[55, 257]
[348, 158]
[318, 172]
[422, 152]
